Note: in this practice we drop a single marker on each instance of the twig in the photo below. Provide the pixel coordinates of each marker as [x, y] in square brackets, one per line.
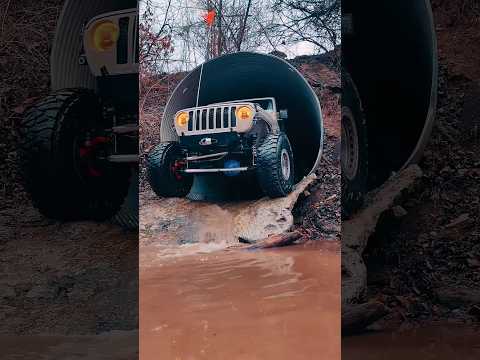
[5, 15]
[284, 239]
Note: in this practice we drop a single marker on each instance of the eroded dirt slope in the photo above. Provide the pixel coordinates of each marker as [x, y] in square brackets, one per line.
[425, 265]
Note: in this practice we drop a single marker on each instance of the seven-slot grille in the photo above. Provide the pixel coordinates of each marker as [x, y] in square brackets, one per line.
[212, 119]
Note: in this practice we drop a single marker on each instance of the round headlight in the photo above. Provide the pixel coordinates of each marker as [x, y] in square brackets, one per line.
[244, 113]
[182, 119]
[104, 35]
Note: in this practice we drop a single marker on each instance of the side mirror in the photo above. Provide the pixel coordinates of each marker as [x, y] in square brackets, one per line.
[283, 114]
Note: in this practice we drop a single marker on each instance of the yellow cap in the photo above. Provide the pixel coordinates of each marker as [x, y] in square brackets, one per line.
[244, 113]
[105, 35]
[182, 119]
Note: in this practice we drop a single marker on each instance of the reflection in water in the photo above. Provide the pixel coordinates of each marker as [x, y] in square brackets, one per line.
[233, 304]
[441, 342]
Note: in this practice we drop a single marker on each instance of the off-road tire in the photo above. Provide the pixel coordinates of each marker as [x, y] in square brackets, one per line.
[47, 159]
[159, 174]
[354, 133]
[269, 169]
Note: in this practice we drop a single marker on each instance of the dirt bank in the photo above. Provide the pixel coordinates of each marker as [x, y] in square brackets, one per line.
[424, 264]
[26, 36]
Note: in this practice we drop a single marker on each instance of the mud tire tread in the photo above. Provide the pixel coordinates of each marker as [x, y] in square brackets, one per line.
[269, 172]
[46, 164]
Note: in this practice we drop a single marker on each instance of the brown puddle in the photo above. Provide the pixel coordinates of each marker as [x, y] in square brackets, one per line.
[439, 342]
[242, 305]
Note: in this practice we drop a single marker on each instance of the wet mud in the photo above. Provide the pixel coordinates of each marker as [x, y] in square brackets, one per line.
[179, 221]
[116, 345]
[435, 342]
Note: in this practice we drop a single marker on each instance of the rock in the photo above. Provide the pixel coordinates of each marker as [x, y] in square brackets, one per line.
[399, 211]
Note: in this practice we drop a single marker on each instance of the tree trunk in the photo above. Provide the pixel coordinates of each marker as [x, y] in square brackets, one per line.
[243, 26]
[220, 34]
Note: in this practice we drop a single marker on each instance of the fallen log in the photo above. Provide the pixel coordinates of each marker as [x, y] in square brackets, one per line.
[356, 317]
[356, 232]
[355, 235]
[277, 240]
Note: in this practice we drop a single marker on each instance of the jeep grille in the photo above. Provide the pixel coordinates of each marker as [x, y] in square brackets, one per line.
[212, 119]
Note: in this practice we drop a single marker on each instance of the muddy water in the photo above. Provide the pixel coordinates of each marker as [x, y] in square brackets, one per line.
[237, 304]
[440, 342]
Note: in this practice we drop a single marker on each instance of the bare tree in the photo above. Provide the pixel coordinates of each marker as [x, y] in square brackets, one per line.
[155, 36]
[243, 26]
[314, 21]
[175, 36]
[235, 27]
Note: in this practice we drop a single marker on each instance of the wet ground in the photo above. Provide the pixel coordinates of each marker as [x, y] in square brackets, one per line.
[117, 345]
[435, 342]
[168, 223]
[76, 278]
[237, 304]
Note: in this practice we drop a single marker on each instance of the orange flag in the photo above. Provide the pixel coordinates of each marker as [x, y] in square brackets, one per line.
[209, 17]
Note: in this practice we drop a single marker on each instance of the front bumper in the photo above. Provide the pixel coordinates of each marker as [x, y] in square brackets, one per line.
[225, 153]
[228, 141]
